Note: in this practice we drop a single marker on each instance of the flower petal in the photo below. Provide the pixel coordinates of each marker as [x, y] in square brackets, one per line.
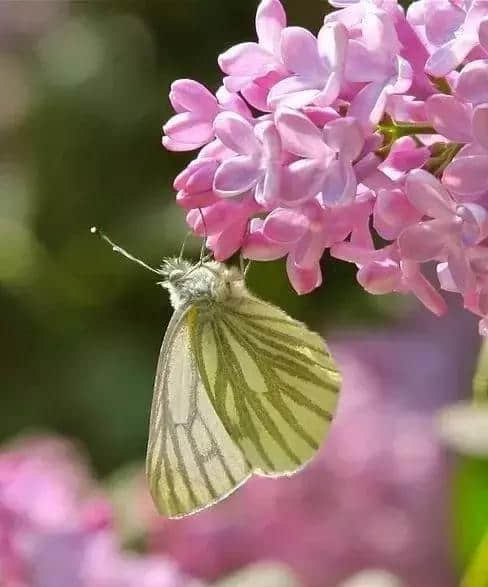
[480, 125]
[458, 267]
[483, 34]
[472, 85]
[299, 135]
[303, 280]
[270, 21]
[450, 117]
[294, 92]
[345, 136]
[428, 195]
[360, 64]
[188, 128]
[309, 250]
[369, 104]
[187, 94]
[195, 200]
[226, 243]
[246, 59]
[285, 226]
[268, 191]
[214, 219]
[340, 183]
[442, 20]
[467, 176]
[300, 53]
[233, 102]
[236, 176]
[449, 56]
[257, 246]
[236, 133]
[422, 289]
[404, 156]
[301, 181]
[425, 241]
[380, 277]
[475, 225]
[393, 213]
[332, 42]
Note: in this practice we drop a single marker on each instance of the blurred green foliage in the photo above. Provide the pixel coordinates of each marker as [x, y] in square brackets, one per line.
[81, 146]
[470, 493]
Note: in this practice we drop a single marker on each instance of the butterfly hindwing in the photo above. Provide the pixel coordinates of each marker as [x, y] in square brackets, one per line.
[192, 461]
[271, 380]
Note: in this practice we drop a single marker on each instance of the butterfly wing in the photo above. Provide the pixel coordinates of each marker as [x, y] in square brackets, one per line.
[271, 380]
[192, 462]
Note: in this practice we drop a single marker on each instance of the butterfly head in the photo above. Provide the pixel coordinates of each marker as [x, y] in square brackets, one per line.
[188, 282]
[173, 270]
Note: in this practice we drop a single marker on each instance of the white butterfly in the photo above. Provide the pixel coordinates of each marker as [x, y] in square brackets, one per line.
[240, 388]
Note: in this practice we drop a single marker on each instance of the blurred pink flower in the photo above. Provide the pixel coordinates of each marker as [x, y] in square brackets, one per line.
[56, 526]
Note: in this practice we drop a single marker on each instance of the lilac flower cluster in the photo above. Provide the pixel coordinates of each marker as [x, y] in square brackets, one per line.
[56, 526]
[376, 127]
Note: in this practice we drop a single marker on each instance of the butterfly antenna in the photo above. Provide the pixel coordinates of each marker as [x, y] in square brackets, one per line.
[244, 267]
[182, 250]
[202, 250]
[121, 251]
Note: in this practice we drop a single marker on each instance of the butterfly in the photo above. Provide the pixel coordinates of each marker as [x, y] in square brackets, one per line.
[241, 388]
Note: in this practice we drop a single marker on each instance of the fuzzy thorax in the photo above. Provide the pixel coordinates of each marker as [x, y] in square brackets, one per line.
[187, 282]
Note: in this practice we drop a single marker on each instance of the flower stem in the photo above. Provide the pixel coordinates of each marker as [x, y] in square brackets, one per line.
[436, 165]
[392, 131]
[441, 84]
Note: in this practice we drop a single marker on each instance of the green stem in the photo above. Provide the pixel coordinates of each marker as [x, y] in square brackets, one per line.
[441, 84]
[436, 165]
[393, 131]
[404, 129]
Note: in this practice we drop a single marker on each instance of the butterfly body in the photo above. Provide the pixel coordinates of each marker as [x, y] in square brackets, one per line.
[240, 388]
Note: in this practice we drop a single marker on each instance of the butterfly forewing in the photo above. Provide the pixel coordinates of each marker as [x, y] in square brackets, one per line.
[192, 461]
[272, 381]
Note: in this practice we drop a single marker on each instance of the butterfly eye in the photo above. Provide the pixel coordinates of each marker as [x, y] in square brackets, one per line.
[176, 275]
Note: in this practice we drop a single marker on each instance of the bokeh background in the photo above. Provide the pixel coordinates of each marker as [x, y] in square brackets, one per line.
[83, 96]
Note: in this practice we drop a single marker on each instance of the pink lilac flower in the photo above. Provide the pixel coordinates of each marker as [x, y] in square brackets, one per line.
[327, 156]
[453, 227]
[252, 68]
[374, 59]
[303, 233]
[317, 65]
[380, 106]
[466, 175]
[196, 107]
[453, 29]
[257, 165]
[224, 224]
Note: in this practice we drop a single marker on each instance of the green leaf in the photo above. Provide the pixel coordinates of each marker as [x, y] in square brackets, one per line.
[477, 573]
